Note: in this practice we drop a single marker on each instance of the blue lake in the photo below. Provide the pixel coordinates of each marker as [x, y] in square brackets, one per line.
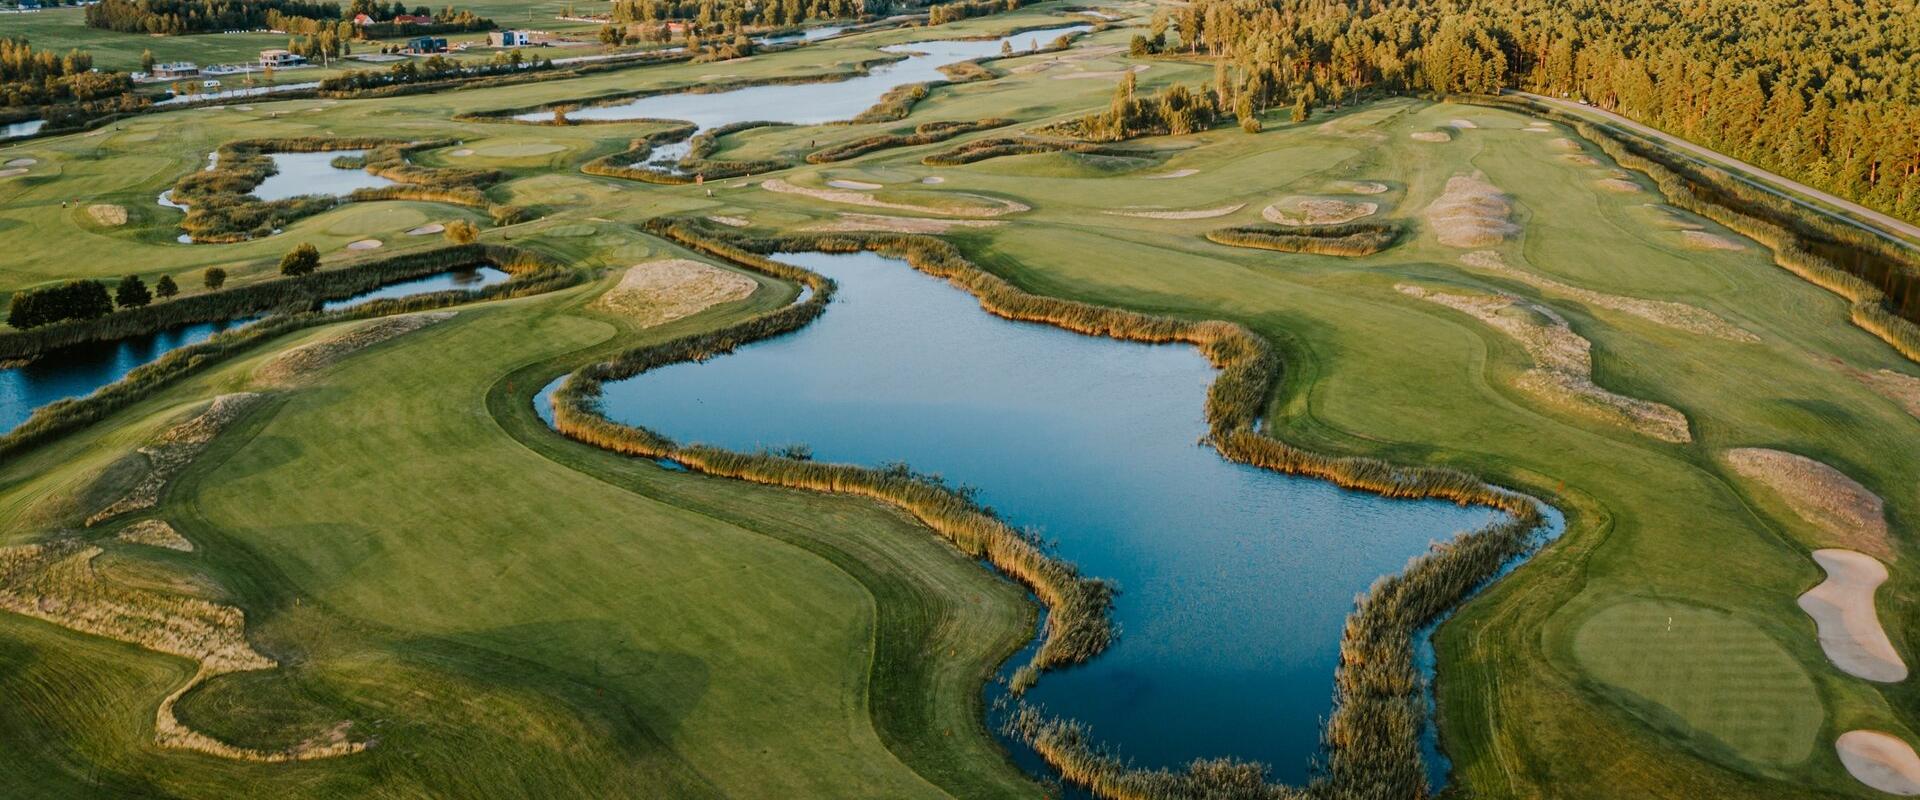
[1235, 581]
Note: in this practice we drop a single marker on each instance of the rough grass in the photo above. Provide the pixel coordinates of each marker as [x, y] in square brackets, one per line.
[666, 290]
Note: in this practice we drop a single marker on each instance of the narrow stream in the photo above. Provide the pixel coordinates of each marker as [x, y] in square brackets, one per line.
[1235, 581]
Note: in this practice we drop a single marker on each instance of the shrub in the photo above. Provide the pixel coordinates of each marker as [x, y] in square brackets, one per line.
[132, 292]
[213, 278]
[165, 287]
[302, 260]
[1349, 239]
[461, 231]
[73, 300]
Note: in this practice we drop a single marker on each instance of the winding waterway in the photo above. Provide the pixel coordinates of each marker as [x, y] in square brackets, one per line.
[1235, 581]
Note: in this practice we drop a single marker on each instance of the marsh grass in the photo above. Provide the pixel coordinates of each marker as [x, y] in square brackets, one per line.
[1372, 736]
[996, 147]
[1350, 239]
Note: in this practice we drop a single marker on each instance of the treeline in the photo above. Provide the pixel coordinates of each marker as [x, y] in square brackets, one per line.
[964, 9]
[174, 17]
[1825, 93]
[31, 77]
[1175, 110]
[718, 16]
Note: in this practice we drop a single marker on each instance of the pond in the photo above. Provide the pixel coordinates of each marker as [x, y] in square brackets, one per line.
[813, 103]
[78, 370]
[1235, 581]
[14, 130]
[314, 173]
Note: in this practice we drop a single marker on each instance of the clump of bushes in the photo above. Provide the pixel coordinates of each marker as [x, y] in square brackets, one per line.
[73, 300]
[1348, 239]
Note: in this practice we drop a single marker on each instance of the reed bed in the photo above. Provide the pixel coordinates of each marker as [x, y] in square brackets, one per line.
[532, 274]
[1373, 734]
[1351, 239]
[924, 133]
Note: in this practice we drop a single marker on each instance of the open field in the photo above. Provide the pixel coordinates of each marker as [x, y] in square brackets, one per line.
[508, 613]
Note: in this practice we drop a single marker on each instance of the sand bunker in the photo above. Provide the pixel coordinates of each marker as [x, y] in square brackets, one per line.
[1316, 211]
[1463, 124]
[1701, 240]
[1673, 315]
[1563, 362]
[1361, 187]
[1849, 514]
[1620, 185]
[731, 222]
[1432, 136]
[56, 583]
[1881, 761]
[1842, 609]
[1565, 145]
[108, 214]
[1178, 173]
[427, 229]
[933, 180]
[848, 223]
[8, 173]
[303, 361]
[997, 208]
[1472, 213]
[1580, 160]
[156, 533]
[462, 152]
[1192, 213]
[1896, 386]
[364, 244]
[860, 185]
[175, 449]
[662, 291]
[22, 162]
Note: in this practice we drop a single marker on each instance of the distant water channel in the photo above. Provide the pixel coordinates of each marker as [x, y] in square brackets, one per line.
[1235, 581]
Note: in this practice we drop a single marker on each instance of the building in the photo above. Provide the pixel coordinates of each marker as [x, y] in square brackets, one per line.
[509, 39]
[409, 19]
[280, 58]
[175, 69]
[362, 20]
[426, 44]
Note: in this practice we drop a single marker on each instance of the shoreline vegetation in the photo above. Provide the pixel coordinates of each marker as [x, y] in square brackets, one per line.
[1372, 737]
[532, 274]
[1790, 234]
[1349, 239]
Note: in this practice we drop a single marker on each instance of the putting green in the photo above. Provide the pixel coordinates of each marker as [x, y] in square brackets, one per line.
[518, 150]
[1704, 673]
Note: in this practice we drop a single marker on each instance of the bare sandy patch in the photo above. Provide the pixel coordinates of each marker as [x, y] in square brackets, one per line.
[173, 450]
[22, 162]
[1842, 609]
[1849, 514]
[1472, 213]
[661, 291]
[1434, 137]
[427, 229]
[108, 214]
[997, 208]
[1563, 362]
[156, 533]
[1896, 386]
[1190, 213]
[1618, 185]
[364, 244]
[462, 152]
[731, 222]
[1881, 761]
[933, 180]
[1701, 240]
[849, 222]
[1317, 211]
[301, 362]
[1580, 160]
[1673, 315]
[1565, 145]
[1361, 187]
[1463, 124]
[1178, 173]
[857, 185]
[8, 173]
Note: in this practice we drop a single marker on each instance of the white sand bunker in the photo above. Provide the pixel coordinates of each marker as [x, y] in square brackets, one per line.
[364, 244]
[307, 359]
[1618, 185]
[859, 185]
[173, 450]
[1580, 160]
[848, 223]
[933, 180]
[1701, 240]
[1463, 124]
[1471, 213]
[1361, 187]
[731, 222]
[1191, 213]
[662, 291]
[1881, 761]
[1316, 211]
[1673, 315]
[1538, 127]
[156, 533]
[1432, 136]
[1178, 173]
[1899, 387]
[427, 229]
[8, 173]
[992, 207]
[108, 214]
[1842, 608]
[1850, 515]
[1565, 145]
[22, 162]
[462, 152]
[1563, 362]
[57, 583]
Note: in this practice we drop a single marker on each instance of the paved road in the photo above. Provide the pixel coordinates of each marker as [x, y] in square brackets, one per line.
[1891, 227]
